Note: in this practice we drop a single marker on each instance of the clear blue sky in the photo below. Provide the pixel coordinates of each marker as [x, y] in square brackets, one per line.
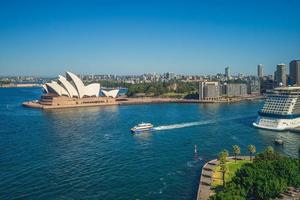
[134, 37]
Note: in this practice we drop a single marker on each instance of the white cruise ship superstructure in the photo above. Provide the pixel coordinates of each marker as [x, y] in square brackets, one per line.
[281, 110]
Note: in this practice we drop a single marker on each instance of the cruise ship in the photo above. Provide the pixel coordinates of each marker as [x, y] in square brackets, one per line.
[281, 110]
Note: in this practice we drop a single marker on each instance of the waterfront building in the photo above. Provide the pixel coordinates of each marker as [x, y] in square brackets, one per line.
[281, 110]
[260, 70]
[70, 91]
[209, 90]
[295, 72]
[267, 83]
[280, 75]
[227, 72]
[235, 89]
[253, 87]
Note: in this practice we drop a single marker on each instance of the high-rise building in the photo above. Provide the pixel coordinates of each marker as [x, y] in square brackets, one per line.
[260, 70]
[227, 72]
[280, 75]
[209, 91]
[295, 72]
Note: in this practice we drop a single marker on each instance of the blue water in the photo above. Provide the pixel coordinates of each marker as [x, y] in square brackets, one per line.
[89, 153]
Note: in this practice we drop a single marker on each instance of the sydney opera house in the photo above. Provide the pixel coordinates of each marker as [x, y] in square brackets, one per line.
[71, 86]
[70, 91]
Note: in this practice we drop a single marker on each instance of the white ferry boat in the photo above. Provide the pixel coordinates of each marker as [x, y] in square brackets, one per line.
[142, 128]
[281, 110]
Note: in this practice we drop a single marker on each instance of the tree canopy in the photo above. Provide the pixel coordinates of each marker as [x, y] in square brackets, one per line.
[155, 88]
[268, 176]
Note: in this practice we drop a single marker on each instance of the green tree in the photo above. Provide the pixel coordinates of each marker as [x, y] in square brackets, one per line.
[252, 150]
[223, 155]
[268, 176]
[269, 150]
[223, 170]
[236, 151]
[299, 158]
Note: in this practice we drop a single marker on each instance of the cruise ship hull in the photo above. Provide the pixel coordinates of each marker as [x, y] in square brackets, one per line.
[268, 128]
[277, 124]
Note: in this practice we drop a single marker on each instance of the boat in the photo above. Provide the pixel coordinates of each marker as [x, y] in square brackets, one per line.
[278, 141]
[143, 127]
[281, 110]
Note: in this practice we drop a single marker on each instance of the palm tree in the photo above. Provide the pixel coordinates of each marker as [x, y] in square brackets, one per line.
[299, 157]
[236, 150]
[223, 170]
[223, 159]
[223, 156]
[269, 150]
[252, 150]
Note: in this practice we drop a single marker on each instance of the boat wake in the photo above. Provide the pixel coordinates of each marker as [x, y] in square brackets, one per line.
[184, 125]
[190, 124]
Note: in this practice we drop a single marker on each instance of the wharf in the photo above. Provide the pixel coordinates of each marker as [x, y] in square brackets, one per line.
[127, 101]
[63, 102]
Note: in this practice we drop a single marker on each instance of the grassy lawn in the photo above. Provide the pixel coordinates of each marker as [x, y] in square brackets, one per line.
[174, 95]
[232, 167]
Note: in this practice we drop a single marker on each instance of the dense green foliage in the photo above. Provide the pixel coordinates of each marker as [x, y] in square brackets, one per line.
[3, 82]
[155, 88]
[269, 175]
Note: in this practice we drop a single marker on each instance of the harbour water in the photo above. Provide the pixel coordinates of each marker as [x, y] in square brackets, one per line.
[89, 153]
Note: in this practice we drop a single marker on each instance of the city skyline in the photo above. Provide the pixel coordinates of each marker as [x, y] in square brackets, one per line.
[142, 37]
[227, 73]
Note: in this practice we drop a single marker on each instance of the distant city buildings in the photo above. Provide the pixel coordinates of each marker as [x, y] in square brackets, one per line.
[170, 76]
[280, 75]
[294, 75]
[260, 70]
[24, 79]
[227, 72]
[210, 86]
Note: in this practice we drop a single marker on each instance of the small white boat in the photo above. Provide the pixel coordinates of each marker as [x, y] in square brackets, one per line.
[142, 128]
[278, 141]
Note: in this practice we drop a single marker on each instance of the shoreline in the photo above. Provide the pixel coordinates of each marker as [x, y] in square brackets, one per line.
[134, 101]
